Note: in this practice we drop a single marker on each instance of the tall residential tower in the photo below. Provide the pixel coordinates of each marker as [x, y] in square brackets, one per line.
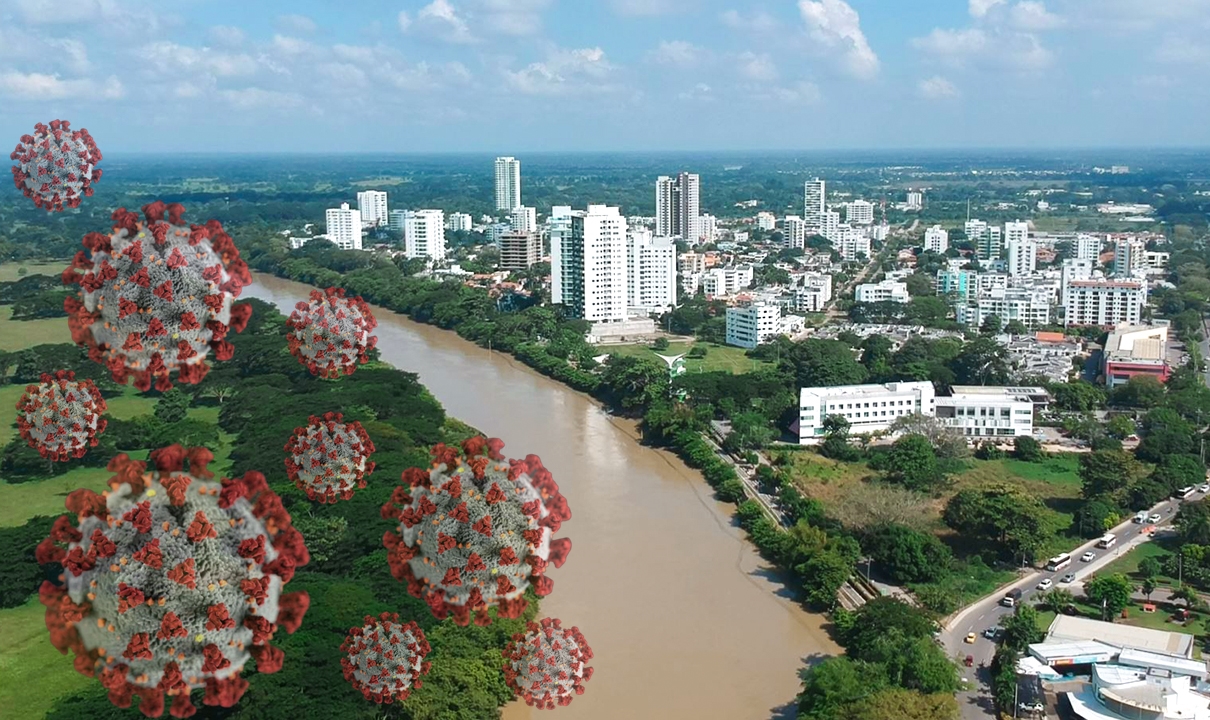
[508, 183]
[814, 196]
[676, 205]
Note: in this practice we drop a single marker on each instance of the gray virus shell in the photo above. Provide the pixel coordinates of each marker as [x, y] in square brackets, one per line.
[329, 459]
[545, 666]
[56, 166]
[61, 418]
[156, 297]
[385, 659]
[331, 334]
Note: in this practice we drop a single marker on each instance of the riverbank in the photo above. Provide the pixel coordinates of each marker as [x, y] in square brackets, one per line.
[676, 633]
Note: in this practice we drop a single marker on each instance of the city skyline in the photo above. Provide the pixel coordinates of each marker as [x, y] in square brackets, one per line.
[664, 75]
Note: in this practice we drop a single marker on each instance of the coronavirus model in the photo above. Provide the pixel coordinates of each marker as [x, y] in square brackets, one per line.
[329, 459]
[545, 666]
[475, 531]
[385, 659]
[331, 334]
[56, 166]
[156, 297]
[61, 418]
[172, 582]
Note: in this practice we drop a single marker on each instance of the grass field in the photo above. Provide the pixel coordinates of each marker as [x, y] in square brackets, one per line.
[32, 672]
[718, 357]
[21, 334]
[22, 501]
[1128, 564]
[9, 271]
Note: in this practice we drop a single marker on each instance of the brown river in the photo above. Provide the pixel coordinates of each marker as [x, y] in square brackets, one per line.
[683, 617]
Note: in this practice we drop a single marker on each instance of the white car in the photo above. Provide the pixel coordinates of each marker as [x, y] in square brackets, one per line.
[1204, 488]
[1088, 557]
[1155, 517]
[1045, 584]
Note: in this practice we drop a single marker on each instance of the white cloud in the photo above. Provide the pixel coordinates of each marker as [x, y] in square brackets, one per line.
[800, 93]
[37, 86]
[227, 35]
[285, 45]
[72, 54]
[995, 48]
[936, 88]
[979, 8]
[344, 76]
[1032, 15]
[1139, 15]
[405, 21]
[757, 67]
[513, 17]
[677, 52]
[297, 24]
[700, 92]
[647, 8]
[445, 21]
[562, 72]
[254, 97]
[50, 12]
[758, 22]
[169, 58]
[1175, 49]
[835, 25]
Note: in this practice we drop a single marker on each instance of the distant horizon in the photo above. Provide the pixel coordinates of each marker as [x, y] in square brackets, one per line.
[693, 151]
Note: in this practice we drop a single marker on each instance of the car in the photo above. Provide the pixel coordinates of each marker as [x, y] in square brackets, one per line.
[1140, 517]
[1045, 584]
[970, 639]
[1204, 488]
[1088, 557]
[993, 632]
[1035, 707]
[1154, 518]
[1068, 578]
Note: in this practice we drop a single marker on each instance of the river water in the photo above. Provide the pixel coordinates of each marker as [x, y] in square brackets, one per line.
[683, 617]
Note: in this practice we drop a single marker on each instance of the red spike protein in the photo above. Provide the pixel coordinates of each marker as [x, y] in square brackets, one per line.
[56, 166]
[331, 334]
[329, 459]
[384, 659]
[545, 666]
[476, 531]
[172, 582]
[61, 418]
[156, 297]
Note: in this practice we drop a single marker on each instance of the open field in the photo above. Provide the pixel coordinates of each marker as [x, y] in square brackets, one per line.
[1128, 564]
[718, 357]
[22, 501]
[9, 270]
[22, 334]
[32, 672]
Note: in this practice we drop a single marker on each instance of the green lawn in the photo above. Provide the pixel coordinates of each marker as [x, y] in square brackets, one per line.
[1128, 564]
[9, 271]
[22, 501]
[718, 357]
[22, 334]
[33, 675]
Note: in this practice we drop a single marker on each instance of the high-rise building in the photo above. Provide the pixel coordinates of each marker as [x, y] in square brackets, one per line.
[1029, 307]
[794, 231]
[588, 262]
[1088, 247]
[766, 220]
[523, 219]
[1129, 257]
[988, 239]
[396, 219]
[936, 239]
[650, 272]
[1074, 270]
[829, 226]
[1015, 231]
[703, 229]
[424, 234]
[373, 207]
[1104, 303]
[1022, 255]
[344, 227]
[852, 244]
[753, 324]
[915, 200]
[814, 205]
[508, 183]
[520, 250]
[860, 212]
[676, 205]
[459, 222]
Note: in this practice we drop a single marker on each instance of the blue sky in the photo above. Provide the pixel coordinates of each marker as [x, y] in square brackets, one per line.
[511, 76]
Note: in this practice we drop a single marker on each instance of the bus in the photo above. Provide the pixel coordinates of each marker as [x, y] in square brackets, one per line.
[1184, 492]
[1107, 541]
[1058, 562]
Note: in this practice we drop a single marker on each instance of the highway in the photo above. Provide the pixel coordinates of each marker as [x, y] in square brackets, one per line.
[988, 612]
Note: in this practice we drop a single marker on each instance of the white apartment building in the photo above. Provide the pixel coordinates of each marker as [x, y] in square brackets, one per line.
[523, 219]
[974, 228]
[829, 226]
[814, 293]
[459, 222]
[753, 324]
[691, 263]
[1087, 247]
[936, 239]
[859, 212]
[766, 220]
[1022, 255]
[508, 183]
[1016, 231]
[1028, 306]
[1128, 257]
[885, 291]
[520, 250]
[373, 207]
[703, 228]
[794, 231]
[677, 206]
[344, 227]
[493, 232]
[717, 282]
[424, 234]
[915, 200]
[852, 244]
[814, 201]
[395, 219]
[588, 262]
[867, 408]
[1104, 303]
[1074, 270]
[982, 412]
[650, 272]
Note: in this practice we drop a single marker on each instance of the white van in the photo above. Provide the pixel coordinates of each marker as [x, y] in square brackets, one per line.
[1107, 541]
[1140, 517]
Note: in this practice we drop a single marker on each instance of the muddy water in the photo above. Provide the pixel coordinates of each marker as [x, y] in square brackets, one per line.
[680, 611]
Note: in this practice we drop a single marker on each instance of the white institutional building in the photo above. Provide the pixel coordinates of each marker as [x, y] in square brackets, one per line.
[650, 272]
[508, 183]
[373, 207]
[753, 324]
[885, 291]
[867, 408]
[424, 234]
[344, 227]
[988, 412]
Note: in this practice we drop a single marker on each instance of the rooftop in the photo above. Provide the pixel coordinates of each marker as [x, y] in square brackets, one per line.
[1076, 629]
[869, 390]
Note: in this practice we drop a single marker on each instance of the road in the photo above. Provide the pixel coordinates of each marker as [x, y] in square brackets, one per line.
[988, 612]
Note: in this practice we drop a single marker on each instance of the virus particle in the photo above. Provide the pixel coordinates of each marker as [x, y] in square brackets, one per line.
[171, 582]
[384, 659]
[545, 666]
[156, 297]
[329, 459]
[476, 531]
[56, 166]
[61, 418]
[331, 334]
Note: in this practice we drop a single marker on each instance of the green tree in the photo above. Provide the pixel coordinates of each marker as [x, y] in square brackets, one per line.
[1193, 523]
[749, 431]
[1120, 427]
[1165, 433]
[901, 704]
[1057, 599]
[1027, 449]
[913, 464]
[908, 555]
[173, 405]
[1110, 592]
[1148, 586]
[822, 363]
[1005, 518]
[1141, 391]
[836, 683]
[1021, 629]
[1016, 327]
[1189, 595]
[1149, 568]
[991, 325]
[835, 444]
[1178, 471]
[823, 575]
[1107, 472]
[878, 618]
[660, 344]
[1077, 396]
[982, 361]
